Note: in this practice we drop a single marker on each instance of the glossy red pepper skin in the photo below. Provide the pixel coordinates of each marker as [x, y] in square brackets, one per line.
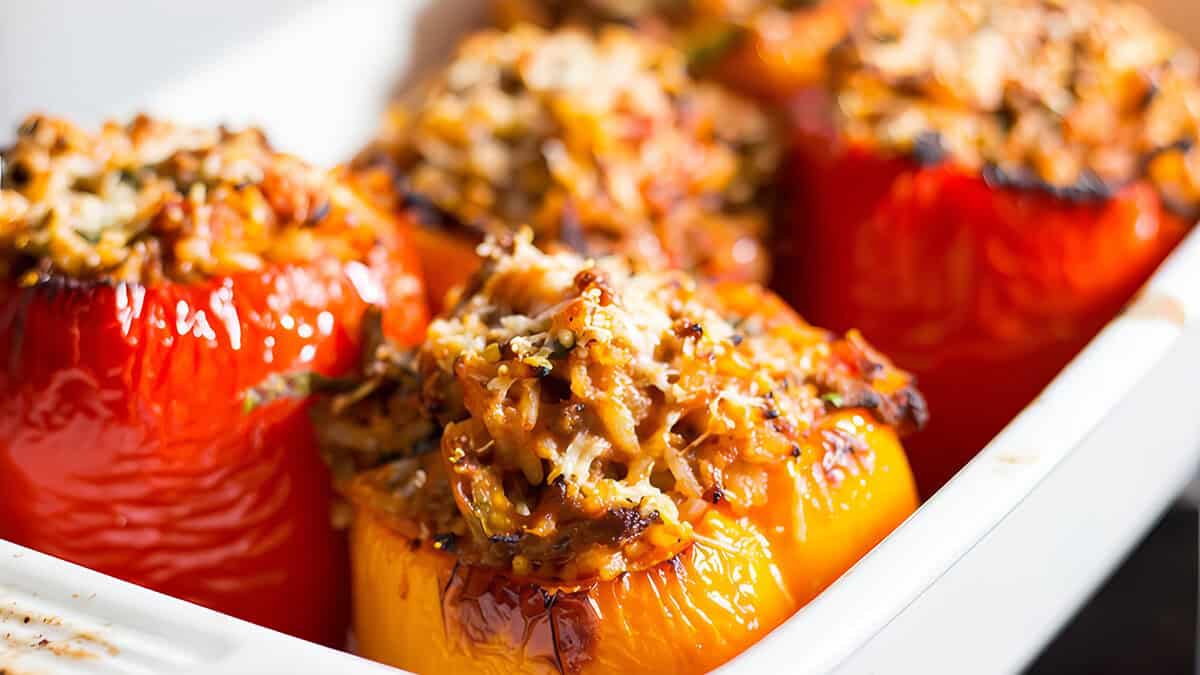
[125, 447]
[984, 293]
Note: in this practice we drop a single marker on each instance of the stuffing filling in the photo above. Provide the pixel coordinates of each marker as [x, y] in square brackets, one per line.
[1076, 97]
[150, 201]
[582, 417]
[601, 143]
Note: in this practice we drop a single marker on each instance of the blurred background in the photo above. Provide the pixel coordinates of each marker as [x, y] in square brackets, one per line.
[264, 62]
[1032, 582]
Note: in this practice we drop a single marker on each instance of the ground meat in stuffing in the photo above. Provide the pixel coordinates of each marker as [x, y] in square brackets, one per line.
[150, 200]
[599, 142]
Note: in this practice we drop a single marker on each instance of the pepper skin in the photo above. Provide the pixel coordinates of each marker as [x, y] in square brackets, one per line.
[124, 446]
[446, 252]
[772, 62]
[415, 608]
[983, 292]
[450, 260]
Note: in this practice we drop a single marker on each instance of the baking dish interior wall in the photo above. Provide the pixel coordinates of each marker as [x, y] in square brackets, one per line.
[315, 73]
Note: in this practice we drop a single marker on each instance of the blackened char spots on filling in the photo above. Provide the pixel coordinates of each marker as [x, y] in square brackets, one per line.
[850, 385]
[928, 149]
[428, 214]
[616, 527]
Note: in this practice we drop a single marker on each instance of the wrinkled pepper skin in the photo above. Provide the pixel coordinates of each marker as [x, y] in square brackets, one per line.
[415, 608]
[983, 292]
[124, 445]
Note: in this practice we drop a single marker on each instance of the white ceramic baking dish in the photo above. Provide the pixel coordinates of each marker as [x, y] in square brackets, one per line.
[976, 581]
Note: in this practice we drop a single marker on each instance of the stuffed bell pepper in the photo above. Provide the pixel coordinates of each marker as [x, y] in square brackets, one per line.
[600, 143]
[981, 187]
[151, 274]
[588, 469]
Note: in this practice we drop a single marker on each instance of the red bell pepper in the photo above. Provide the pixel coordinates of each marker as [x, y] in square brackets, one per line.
[983, 291]
[125, 446]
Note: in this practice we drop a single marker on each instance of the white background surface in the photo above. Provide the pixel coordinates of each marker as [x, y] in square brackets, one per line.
[86, 58]
[316, 73]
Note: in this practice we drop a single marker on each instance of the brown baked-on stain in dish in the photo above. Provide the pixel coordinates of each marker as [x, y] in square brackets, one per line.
[59, 640]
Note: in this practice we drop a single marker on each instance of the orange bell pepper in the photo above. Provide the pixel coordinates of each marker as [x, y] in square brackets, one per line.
[416, 608]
